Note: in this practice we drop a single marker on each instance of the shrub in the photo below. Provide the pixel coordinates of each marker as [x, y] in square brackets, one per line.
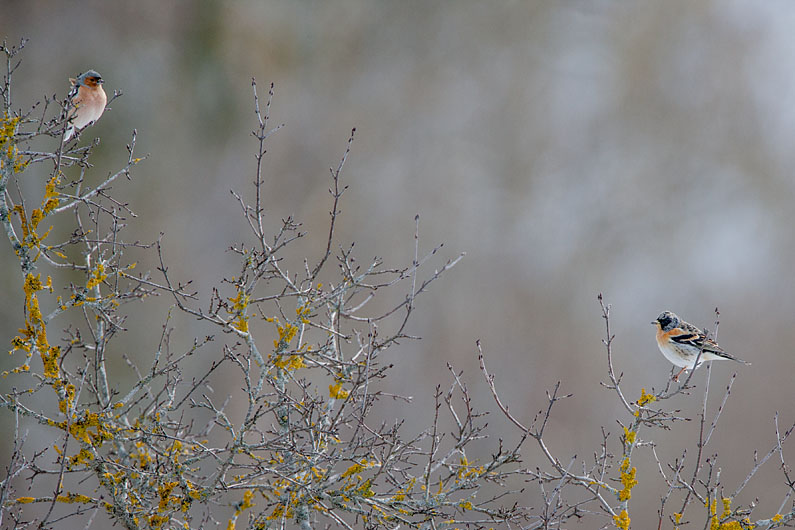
[293, 443]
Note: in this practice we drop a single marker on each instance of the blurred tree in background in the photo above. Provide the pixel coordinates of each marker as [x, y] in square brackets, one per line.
[279, 425]
[569, 148]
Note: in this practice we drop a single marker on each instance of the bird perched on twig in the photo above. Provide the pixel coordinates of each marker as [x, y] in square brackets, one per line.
[681, 343]
[87, 100]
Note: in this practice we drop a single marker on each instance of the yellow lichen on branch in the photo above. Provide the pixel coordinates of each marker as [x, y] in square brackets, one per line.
[336, 391]
[645, 398]
[34, 335]
[8, 144]
[627, 480]
[238, 310]
[622, 520]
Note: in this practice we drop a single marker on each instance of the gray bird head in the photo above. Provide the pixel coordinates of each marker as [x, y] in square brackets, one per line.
[90, 78]
[667, 321]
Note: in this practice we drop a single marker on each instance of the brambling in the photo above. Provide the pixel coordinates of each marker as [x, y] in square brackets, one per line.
[88, 101]
[681, 343]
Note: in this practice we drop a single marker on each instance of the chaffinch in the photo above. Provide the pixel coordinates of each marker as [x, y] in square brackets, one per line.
[88, 101]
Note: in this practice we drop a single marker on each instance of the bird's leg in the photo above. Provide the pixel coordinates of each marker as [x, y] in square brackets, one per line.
[676, 377]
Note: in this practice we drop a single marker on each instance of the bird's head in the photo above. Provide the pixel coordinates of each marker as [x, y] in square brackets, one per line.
[667, 321]
[90, 78]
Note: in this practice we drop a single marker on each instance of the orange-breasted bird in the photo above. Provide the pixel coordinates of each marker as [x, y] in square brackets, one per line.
[87, 100]
[681, 343]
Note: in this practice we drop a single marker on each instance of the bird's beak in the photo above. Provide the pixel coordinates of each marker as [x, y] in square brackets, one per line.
[653, 322]
[100, 81]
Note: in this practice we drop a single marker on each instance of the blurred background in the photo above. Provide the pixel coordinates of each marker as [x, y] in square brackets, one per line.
[641, 150]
